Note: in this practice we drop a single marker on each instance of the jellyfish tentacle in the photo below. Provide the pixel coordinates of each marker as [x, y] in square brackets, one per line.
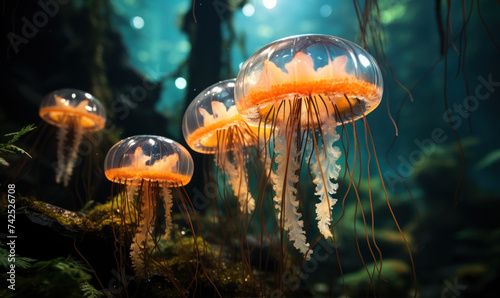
[283, 184]
[230, 157]
[243, 135]
[132, 191]
[266, 157]
[140, 241]
[62, 133]
[245, 195]
[238, 179]
[128, 203]
[73, 153]
[167, 201]
[325, 188]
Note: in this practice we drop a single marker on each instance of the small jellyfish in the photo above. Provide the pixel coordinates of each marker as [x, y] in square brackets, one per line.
[149, 167]
[74, 112]
[212, 125]
[301, 88]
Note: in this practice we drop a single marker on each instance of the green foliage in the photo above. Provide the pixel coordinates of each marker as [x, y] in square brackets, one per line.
[21, 262]
[88, 206]
[74, 269]
[89, 291]
[59, 277]
[9, 147]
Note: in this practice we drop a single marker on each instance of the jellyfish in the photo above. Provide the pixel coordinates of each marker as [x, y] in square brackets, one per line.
[301, 88]
[148, 167]
[212, 125]
[75, 113]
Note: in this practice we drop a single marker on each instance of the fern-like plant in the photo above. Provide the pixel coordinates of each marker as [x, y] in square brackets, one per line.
[20, 262]
[89, 291]
[9, 147]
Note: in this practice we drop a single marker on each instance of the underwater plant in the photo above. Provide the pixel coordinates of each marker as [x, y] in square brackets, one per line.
[9, 146]
[75, 113]
[148, 167]
[212, 125]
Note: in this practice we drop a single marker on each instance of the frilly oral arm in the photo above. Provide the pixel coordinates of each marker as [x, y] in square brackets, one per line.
[325, 188]
[286, 193]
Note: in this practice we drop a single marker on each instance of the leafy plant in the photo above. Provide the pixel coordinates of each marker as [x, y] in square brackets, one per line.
[9, 147]
[62, 277]
[88, 206]
[21, 262]
[56, 278]
[89, 291]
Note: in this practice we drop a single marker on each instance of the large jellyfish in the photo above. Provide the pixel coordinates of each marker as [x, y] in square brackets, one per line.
[74, 112]
[148, 167]
[301, 88]
[212, 125]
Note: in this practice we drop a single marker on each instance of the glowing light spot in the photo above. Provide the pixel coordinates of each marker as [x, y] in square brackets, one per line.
[269, 4]
[240, 65]
[248, 10]
[184, 46]
[393, 13]
[386, 17]
[180, 83]
[364, 61]
[325, 10]
[137, 22]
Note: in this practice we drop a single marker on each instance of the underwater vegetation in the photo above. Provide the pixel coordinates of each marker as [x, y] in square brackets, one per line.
[249, 148]
[9, 147]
